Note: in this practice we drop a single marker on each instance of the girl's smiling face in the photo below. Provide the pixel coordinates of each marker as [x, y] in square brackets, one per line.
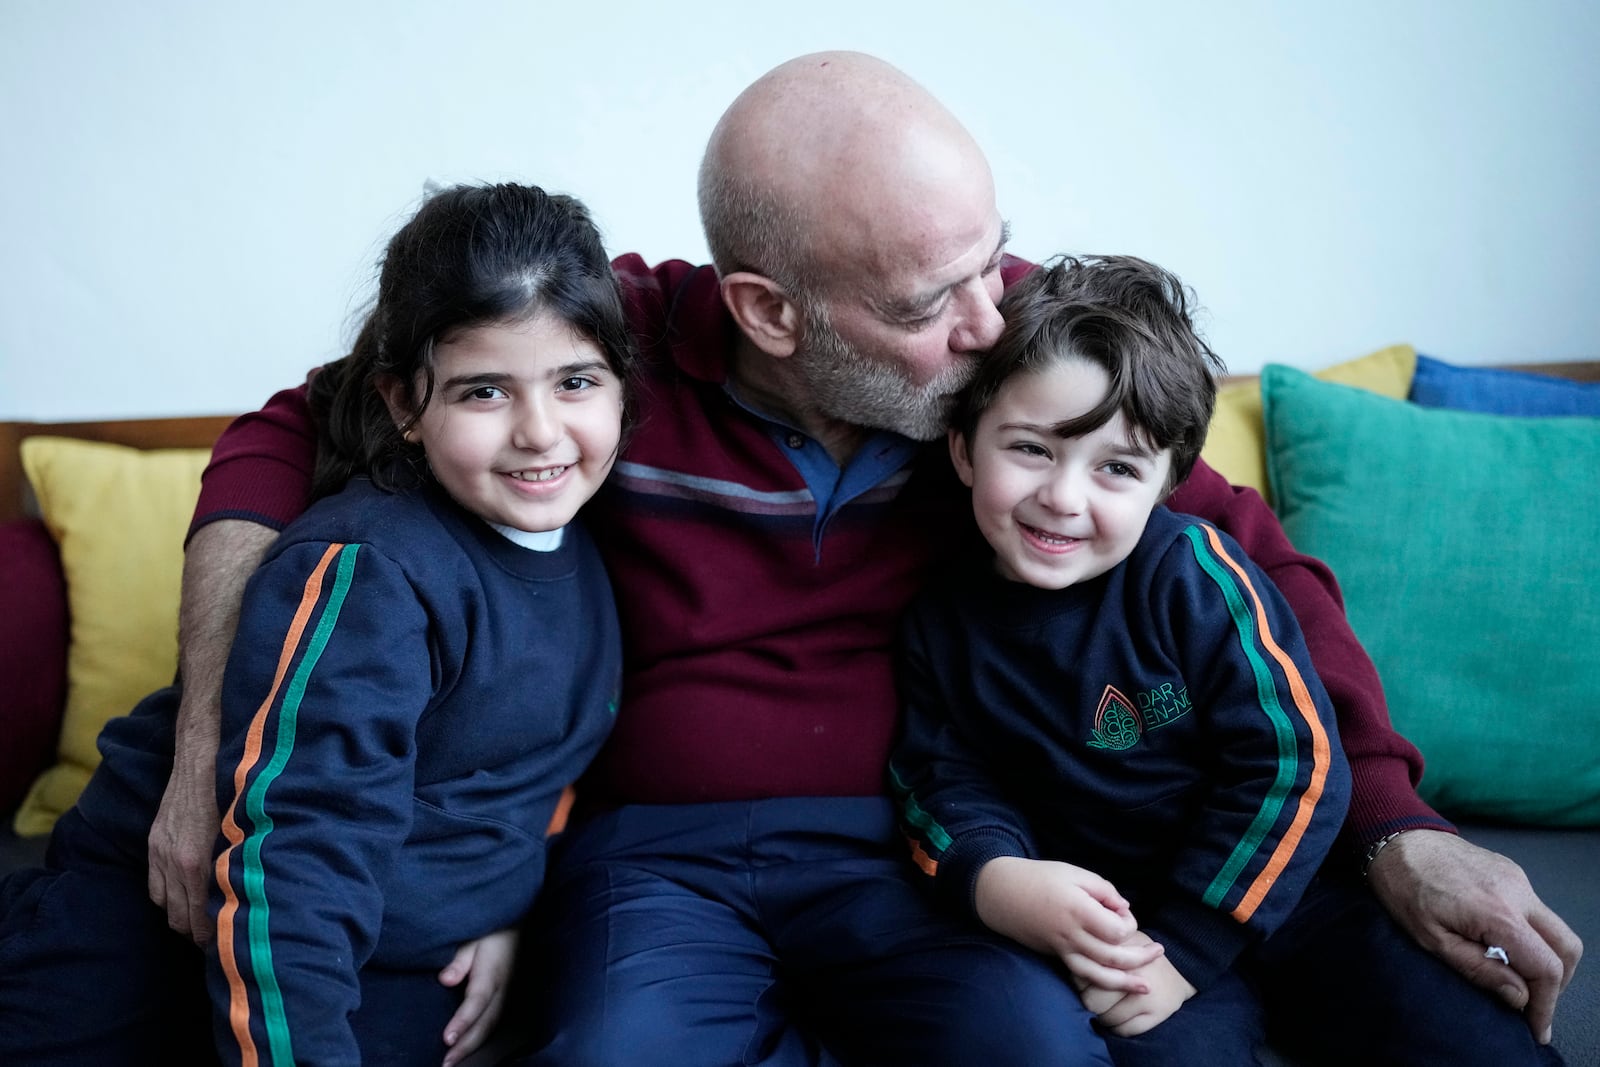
[524, 422]
[1058, 511]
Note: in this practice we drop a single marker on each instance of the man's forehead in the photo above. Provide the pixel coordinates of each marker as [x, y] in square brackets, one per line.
[923, 270]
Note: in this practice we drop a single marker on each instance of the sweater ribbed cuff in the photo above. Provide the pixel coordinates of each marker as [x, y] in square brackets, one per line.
[964, 859]
[1383, 801]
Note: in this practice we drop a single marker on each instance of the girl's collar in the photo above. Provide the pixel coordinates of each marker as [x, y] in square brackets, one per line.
[540, 541]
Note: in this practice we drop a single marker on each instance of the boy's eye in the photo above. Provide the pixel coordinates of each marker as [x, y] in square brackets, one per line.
[1121, 470]
[1030, 448]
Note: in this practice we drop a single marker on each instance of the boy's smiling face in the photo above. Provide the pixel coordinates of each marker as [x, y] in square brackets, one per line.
[1058, 511]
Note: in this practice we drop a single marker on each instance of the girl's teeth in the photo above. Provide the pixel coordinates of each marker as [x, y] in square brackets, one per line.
[539, 476]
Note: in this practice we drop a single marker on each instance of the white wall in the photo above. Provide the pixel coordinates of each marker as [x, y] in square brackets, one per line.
[194, 192]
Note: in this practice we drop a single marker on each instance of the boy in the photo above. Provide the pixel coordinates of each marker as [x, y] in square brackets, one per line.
[1116, 750]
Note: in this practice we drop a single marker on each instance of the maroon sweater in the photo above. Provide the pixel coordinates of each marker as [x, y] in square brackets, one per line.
[759, 659]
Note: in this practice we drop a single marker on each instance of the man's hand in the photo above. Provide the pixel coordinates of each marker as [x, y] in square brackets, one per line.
[1456, 899]
[1129, 1014]
[181, 840]
[218, 562]
[1067, 912]
[485, 965]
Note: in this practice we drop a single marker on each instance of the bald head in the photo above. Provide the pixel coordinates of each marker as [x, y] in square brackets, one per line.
[834, 162]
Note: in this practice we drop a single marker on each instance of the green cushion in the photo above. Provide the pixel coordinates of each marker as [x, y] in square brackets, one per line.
[1465, 545]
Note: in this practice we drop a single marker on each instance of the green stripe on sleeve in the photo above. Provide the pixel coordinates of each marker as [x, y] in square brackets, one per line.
[1267, 695]
[253, 876]
[916, 816]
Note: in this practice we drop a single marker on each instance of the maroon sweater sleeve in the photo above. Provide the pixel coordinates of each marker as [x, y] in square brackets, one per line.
[1384, 766]
[261, 466]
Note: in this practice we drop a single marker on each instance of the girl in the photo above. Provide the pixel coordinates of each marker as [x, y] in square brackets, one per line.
[424, 661]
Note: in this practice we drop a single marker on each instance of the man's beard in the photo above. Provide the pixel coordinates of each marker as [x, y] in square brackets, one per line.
[848, 386]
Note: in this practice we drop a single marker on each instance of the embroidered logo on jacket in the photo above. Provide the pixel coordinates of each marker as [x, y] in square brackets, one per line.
[1119, 723]
[1161, 705]
[1116, 722]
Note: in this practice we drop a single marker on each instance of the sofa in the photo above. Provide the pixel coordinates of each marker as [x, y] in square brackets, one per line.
[1458, 507]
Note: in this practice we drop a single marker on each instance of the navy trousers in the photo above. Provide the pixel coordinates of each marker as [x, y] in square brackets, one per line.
[779, 932]
[1339, 983]
[91, 975]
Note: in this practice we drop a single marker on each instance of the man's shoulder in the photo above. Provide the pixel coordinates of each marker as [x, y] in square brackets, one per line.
[658, 284]
[676, 313]
[1014, 268]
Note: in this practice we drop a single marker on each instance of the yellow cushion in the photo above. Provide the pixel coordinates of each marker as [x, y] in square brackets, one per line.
[1236, 445]
[119, 516]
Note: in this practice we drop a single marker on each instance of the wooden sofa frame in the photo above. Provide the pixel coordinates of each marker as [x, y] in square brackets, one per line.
[198, 431]
[201, 431]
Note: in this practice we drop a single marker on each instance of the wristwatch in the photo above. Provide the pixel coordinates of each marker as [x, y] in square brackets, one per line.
[1377, 847]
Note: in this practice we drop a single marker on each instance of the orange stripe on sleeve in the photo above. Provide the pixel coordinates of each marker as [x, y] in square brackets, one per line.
[238, 998]
[558, 818]
[920, 857]
[1320, 748]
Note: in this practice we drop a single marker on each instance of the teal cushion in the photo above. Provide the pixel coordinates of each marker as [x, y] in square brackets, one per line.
[1465, 544]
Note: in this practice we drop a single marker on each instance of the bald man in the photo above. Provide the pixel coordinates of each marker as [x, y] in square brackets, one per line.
[734, 891]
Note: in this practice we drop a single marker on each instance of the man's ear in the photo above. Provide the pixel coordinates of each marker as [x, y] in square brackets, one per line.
[397, 398]
[961, 457]
[766, 313]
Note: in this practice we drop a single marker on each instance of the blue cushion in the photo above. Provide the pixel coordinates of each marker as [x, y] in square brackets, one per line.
[1438, 384]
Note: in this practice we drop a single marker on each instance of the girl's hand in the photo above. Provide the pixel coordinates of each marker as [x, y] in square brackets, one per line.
[485, 965]
[1067, 912]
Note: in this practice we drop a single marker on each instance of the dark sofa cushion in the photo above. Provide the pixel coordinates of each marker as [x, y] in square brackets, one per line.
[33, 655]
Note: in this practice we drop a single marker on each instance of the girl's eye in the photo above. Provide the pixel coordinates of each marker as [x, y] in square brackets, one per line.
[576, 383]
[1030, 448]
[486, 392]
[1121, 470]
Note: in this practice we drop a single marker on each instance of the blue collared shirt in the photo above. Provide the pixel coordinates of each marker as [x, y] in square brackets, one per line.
[880, 457]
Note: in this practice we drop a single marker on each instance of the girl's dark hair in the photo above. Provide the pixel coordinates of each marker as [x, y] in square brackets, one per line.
[472, 255]
[1127, 316]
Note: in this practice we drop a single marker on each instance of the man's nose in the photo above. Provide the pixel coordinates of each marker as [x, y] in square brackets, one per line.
[980, 323]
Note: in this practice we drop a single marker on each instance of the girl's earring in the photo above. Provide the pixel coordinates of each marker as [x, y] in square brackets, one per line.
[410, 435]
